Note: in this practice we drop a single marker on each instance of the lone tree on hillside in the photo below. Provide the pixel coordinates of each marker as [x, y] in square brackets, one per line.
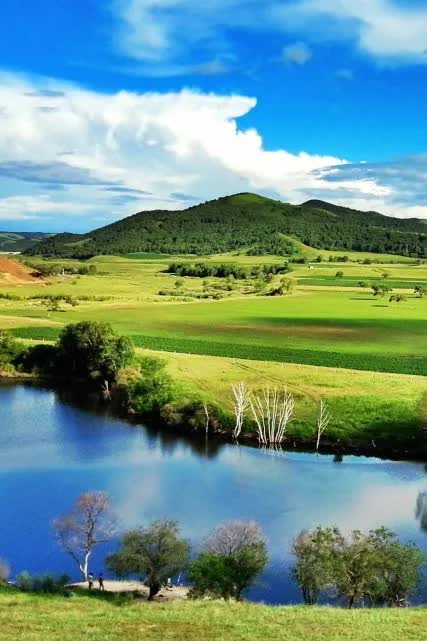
[155, 553]
[90, 523]
[231, 560]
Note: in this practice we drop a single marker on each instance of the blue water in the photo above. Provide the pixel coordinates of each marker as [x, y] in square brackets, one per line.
[51, 451]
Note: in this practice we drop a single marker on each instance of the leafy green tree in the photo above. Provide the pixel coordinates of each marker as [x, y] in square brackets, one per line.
[153, 388]
[380, 290]
[232, 559]
[315, 554]
[419, 291]
[10, 349]
[339, 274]
[92, 349]
[155, 553]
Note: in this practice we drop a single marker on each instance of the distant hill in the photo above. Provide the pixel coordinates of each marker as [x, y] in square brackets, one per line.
[246, 222]
[20, 241]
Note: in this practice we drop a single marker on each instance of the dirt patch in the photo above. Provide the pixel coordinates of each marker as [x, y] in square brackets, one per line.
[14, 273]
[175, 593]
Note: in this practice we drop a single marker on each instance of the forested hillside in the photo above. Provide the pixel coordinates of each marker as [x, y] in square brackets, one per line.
[19, 241]
[249, 223]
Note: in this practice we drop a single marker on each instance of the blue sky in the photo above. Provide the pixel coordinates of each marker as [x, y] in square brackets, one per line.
[107, 108]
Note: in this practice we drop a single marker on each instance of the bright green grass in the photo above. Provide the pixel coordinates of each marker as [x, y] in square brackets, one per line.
[37, 618]
[314, 326]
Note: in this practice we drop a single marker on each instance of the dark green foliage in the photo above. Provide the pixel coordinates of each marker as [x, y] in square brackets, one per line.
[46, 584]
[233, 558]
[226, 270]
[10, 349]
[46, 269]
[152, 388]
[245, 222]
[155, 553]
[90, 350]
[373, 568]
[190, 415]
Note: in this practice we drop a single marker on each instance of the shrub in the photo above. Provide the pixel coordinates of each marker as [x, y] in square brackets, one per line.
[153, 388]
[232, 559]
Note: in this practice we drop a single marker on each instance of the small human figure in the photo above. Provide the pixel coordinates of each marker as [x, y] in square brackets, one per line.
[90, 581]
[101, 582]
[169, 584]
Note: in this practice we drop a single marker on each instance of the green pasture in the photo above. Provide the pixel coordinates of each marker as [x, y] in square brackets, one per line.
[29, 617]
[326, 326]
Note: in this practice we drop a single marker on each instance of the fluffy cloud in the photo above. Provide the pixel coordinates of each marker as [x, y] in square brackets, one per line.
[168, 35]
[74, 157]
[386, 29]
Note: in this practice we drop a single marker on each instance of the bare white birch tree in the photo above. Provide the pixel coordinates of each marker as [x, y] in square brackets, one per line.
[241, 404]
[272, 411]
[206, 409]
[90, 523]
[323, 420]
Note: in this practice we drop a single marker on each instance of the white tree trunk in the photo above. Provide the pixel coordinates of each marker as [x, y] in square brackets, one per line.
[322, 422]
[241, 404]
[272, 412]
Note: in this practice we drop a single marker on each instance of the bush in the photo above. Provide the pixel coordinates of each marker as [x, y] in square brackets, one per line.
[190, 415]
[46, 584]
[10, 349]
[153, 388]
[373, 568]
[232, 559]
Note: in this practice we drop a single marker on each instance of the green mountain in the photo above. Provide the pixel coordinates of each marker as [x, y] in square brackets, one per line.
[246, 222]
[20, 241]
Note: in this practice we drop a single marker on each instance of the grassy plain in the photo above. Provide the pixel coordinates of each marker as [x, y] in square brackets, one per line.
[360, 353]
[41, 618]
[334, 325]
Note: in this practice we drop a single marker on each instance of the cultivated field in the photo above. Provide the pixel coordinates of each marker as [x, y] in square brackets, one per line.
[323, 322]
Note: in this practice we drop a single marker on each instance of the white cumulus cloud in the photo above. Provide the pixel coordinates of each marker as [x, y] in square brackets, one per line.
[76, 157]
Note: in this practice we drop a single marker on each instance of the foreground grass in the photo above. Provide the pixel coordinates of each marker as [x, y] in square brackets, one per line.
[37, 618]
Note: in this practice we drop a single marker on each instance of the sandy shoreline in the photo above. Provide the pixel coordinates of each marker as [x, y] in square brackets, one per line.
[166, 594]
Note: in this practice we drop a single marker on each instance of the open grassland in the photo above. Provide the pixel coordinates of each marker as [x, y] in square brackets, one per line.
[325, 326]
[41, 618]
[363, 405]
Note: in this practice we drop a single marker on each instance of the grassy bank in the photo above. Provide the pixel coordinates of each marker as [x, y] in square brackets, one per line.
[38, 618]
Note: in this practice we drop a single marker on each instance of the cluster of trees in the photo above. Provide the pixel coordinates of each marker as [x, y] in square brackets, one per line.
[226, 270]
[241, 222]
[372, 569]
[45, 269]
[87, 351]
[229, 562]
[272, 410]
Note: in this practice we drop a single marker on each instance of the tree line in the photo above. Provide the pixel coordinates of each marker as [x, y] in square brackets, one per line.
[226, 270]
[359, 569]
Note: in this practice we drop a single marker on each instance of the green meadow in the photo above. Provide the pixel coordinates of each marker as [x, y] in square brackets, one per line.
[333, 326]
[49, 618]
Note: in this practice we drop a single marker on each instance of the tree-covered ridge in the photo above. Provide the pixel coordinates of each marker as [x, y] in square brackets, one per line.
[246, 222]
[19, 241]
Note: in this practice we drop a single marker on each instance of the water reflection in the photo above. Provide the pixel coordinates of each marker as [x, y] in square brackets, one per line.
[51, 451]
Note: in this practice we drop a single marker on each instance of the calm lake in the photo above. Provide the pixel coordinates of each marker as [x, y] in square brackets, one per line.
[51, 451]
